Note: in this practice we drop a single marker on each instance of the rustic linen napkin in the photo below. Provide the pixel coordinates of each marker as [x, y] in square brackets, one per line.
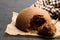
[12, 30]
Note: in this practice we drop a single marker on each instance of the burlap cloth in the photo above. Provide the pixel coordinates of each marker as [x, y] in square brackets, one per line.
[12, 30]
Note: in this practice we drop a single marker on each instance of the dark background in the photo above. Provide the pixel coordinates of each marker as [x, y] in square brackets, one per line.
[6, 9]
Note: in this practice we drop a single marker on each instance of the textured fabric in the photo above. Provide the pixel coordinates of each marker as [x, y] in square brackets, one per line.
[52, 6]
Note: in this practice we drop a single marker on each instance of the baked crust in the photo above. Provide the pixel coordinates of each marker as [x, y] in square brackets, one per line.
[35, 19]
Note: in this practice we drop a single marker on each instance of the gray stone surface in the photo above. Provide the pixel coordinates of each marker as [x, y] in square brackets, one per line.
[6, 9]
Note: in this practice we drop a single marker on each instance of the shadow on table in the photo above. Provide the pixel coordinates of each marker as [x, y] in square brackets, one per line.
[29, 36]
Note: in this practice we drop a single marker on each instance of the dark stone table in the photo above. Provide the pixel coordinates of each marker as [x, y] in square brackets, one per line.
[6, 9]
